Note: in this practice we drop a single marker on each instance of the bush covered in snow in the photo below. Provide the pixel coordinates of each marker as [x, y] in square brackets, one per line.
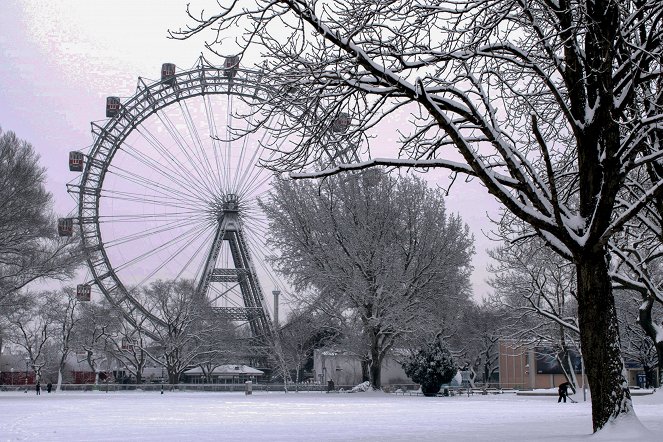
[431, 367]
[364, 386]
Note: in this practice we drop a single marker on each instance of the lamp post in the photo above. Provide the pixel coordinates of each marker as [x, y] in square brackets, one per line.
[27, 362]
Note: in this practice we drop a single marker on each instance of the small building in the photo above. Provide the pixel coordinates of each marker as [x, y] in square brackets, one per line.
[224, 374]
[344, 368]
[525, 366]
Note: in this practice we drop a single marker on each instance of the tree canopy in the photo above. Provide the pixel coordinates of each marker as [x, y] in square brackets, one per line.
[372, 250]
[30, 248]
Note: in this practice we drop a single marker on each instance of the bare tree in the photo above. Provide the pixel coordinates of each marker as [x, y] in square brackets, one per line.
[382, 250]
[61, 308]
[303, 332]
[29, 246]
[129, 341]
[550, 104]
[98, 322]
[477, 342]
[183, 338]
[637, 345]
[221, 344]
[30, 328]
[637, 267]
[537, 290]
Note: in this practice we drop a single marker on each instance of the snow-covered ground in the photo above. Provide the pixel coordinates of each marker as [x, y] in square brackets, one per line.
[265, 416]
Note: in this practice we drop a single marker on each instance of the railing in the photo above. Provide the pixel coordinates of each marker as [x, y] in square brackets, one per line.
[112, 387]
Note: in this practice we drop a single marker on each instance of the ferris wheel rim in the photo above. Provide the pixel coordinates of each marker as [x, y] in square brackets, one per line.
[204, 79]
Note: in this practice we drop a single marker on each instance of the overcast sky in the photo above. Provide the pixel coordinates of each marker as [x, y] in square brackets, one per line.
[59, 59]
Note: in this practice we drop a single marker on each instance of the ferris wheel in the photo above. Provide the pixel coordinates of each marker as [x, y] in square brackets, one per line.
[168, 191]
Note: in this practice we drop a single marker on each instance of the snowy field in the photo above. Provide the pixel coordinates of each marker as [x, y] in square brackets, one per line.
[265, 416]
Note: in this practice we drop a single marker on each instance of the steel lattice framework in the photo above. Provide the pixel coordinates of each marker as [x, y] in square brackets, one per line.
[111, 136]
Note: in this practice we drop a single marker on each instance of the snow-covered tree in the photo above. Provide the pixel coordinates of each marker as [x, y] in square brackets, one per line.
[431, 367]
[93, 335]
[222, 345]
[477, 341]
[537, 290]
[30, 327]
[186, 327]
[549, 104]
[30, 248]
[61, 307]
[637, 267]
[129, 340]
[381, 250]
[637, 345]
[303, 332]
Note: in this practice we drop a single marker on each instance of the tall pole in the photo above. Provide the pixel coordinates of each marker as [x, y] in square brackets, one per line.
[26, 375]
[276, 294]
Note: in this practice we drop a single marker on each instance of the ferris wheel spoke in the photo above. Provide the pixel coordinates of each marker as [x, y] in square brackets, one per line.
[185, 149]
[204, 243]
[183, 187]
[142, 218]
[179, 169]
[199, 152]
[228, 142]
[173, 205]
[159, 197]
[172, 225]
[255, 246]
[253, 173]
[239, 175]
[182, 237]
[216, 149]
[166, 262]
[252, 164]
[254, 189]
[254, 218]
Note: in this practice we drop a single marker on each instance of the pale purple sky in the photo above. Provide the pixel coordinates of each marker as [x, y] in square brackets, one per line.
[60, 59]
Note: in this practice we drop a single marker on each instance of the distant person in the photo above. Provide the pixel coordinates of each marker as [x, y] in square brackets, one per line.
[330, 385]
[38, 388]
[49, 387]
[563, 391]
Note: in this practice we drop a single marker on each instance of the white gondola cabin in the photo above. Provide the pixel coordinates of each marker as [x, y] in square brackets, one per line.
[65, 226]
[83, 292]
[341, 123]
[113, 105]
[168, 74]
[230, 66]
[76, 161]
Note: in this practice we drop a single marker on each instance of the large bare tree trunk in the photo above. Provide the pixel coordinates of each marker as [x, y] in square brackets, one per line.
[599, 336]
[375, 369]
[365, 376]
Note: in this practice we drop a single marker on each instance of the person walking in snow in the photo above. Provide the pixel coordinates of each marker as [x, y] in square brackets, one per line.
[38, 388]
[563, 391]
[49, 387]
